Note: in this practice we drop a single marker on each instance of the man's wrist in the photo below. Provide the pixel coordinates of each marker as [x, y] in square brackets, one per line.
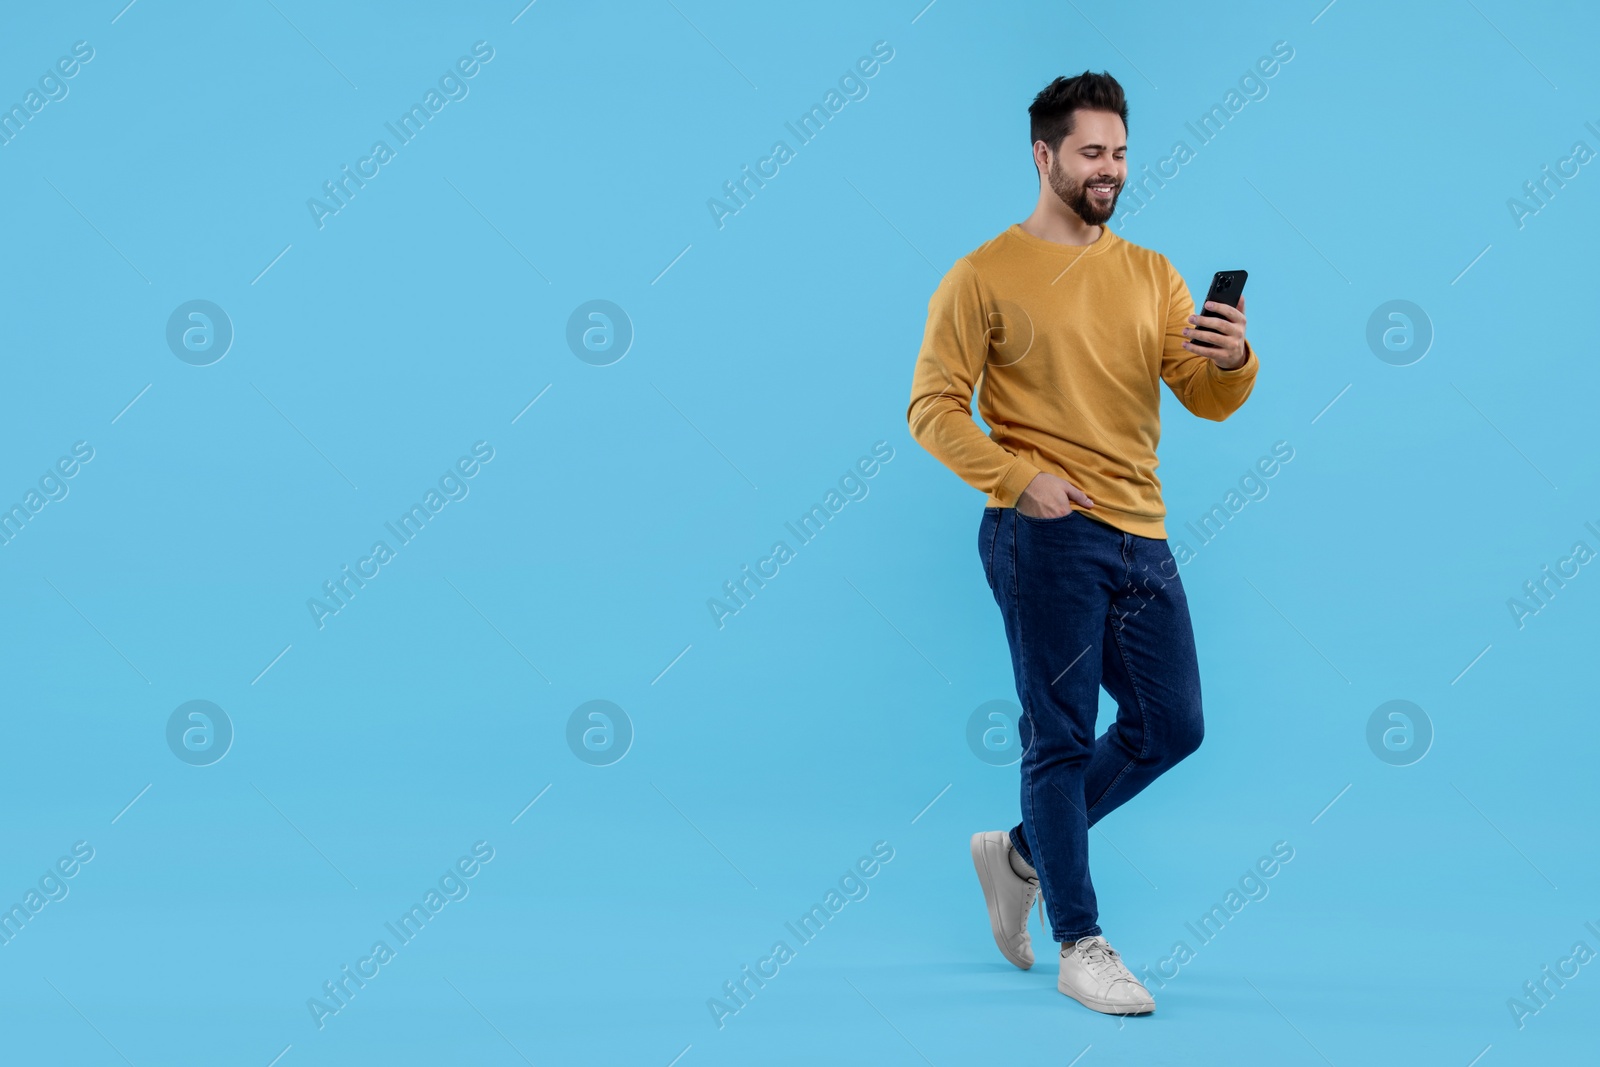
[1245, 359]
[1018, 477]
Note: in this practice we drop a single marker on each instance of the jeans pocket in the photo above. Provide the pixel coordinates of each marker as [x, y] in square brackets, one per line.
[1025, 517]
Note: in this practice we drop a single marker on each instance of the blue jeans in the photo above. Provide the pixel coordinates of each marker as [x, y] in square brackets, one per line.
[1087, 605]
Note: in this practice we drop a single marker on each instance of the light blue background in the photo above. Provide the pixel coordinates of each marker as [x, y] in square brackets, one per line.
[771, 355]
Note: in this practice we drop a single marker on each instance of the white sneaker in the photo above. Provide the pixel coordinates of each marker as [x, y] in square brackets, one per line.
[1092, 974]
[1010, 887]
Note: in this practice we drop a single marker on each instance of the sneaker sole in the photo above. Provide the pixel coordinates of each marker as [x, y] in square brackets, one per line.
[1104, 1007]
[984, 852]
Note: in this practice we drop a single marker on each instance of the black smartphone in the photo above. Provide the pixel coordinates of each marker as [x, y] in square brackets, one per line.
[1227, 286]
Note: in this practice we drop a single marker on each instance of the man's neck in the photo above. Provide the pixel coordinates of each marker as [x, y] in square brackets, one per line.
[1062, 226]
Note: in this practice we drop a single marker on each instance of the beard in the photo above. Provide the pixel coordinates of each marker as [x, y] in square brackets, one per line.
[1076, 196]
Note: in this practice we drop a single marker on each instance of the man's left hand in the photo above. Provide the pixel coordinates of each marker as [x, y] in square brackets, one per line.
[1224, 327]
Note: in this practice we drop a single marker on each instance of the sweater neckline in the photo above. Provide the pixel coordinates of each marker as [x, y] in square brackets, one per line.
[1066, 251]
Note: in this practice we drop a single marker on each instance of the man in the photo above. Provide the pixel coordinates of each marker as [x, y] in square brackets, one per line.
[1067, 331]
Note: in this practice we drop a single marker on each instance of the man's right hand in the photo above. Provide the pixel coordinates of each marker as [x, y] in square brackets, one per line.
[1049, 497]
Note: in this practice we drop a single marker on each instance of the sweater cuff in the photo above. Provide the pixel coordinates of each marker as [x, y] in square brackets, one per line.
[1014, 481]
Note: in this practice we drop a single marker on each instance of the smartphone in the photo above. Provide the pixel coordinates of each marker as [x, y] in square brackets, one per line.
[1227, 286]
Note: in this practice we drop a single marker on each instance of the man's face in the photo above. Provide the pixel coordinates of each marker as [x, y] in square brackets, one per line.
[1088, 171]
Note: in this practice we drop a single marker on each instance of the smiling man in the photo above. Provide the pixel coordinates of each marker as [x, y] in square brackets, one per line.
[1066, 331]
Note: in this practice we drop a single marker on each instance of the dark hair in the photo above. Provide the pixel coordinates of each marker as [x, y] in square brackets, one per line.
[1051, 114]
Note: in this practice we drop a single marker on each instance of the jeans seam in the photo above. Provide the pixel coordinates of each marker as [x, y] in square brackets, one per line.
[1037, 858]
[1144, 725]
[1014, 593]
[1133, 683]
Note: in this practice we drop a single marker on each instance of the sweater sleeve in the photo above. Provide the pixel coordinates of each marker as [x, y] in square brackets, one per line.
[1202, 387]
[950, 365]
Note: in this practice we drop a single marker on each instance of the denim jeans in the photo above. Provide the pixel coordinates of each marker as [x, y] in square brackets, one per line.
[1087, 605]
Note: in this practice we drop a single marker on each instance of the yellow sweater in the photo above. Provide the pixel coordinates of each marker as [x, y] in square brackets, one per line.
[1066, 347]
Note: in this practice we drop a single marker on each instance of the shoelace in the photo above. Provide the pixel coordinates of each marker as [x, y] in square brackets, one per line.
[1033, 895]
[1102, 960]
